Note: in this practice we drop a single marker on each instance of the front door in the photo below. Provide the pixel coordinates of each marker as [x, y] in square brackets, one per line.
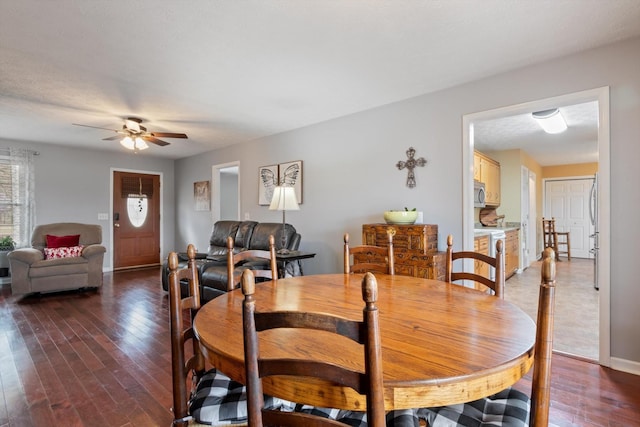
[567, 200]
[136, 220]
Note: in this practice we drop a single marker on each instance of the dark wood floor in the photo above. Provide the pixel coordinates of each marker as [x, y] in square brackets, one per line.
[103, 359]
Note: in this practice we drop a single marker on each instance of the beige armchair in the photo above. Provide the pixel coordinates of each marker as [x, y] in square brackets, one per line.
[32, 272]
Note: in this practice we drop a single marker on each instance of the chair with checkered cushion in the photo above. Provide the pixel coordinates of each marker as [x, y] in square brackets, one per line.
[365, 332]
[511, 407]
[212, 398]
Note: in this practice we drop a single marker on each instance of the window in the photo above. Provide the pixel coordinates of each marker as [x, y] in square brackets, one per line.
[17, 206]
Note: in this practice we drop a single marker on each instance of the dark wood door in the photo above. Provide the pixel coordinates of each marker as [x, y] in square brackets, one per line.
[136, 219]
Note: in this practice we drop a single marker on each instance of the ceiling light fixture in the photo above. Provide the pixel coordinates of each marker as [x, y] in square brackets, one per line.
[551, 120]
[136, 144]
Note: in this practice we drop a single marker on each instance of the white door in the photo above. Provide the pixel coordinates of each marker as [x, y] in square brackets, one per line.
[527, 247]
[533, 219]
[568, 202]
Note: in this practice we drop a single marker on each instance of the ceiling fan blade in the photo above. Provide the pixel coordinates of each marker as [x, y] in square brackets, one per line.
[155, 141]
[112, 138]
[96, 127]
[169, 135]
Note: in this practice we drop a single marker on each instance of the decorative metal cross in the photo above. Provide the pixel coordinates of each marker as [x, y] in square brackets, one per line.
[410, 164]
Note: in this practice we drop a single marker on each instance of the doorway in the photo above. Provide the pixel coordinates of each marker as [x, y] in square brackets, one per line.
[136, 220]
[225, 190]
[601, 97]
[567, 201]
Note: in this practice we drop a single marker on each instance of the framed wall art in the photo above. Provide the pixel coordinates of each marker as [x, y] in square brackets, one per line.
[291, 175]
[267, 181]
[202, 195]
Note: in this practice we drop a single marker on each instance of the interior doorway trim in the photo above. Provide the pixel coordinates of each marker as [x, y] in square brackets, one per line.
[110, 228]
[604, 183]
[215, 189]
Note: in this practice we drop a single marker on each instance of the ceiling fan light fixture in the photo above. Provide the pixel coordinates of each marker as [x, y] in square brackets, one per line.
[551, 120]
[141, 144]
[128, 143]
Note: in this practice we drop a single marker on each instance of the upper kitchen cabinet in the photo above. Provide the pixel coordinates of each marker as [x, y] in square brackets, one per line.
[487, 170]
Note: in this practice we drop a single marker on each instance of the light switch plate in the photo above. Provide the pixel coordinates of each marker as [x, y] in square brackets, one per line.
[103, 217]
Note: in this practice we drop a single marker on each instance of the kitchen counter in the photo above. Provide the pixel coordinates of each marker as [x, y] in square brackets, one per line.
[480, 230]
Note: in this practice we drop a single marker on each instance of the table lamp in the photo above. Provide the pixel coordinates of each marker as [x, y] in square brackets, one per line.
[284, 199]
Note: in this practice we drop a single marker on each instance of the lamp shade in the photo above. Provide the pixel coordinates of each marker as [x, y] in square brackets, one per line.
[284, 199]
[128, 143]
[141, 144]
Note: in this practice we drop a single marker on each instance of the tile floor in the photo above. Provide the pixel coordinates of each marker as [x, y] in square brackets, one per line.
[576, 316]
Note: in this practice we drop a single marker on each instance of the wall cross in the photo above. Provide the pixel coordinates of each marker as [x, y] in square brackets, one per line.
[410, 164]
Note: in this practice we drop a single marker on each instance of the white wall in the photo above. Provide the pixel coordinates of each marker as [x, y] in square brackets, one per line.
[350, 176]
[73, 185]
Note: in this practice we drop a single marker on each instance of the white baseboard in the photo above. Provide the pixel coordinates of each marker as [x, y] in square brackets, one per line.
[624, 365]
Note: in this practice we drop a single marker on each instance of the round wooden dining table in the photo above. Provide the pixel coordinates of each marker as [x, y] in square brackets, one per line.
[441, 343]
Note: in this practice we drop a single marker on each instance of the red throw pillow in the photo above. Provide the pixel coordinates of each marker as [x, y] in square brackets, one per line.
[62, 241]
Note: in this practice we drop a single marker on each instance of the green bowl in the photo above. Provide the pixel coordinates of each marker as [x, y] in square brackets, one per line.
[400, 217]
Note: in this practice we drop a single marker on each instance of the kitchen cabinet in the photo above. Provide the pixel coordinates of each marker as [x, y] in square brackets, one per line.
[481, 245]
[415, 248]
[487, 170]
[512, 252]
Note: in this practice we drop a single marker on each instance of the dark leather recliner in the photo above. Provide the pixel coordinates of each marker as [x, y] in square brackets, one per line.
[212, 265]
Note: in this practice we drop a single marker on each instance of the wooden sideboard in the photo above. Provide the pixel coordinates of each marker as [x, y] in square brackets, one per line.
[415, 248]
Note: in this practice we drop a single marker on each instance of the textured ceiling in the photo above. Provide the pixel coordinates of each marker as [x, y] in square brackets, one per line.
[578, 144]
[230, 71]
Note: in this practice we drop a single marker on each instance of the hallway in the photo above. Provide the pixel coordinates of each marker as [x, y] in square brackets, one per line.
[577, 310]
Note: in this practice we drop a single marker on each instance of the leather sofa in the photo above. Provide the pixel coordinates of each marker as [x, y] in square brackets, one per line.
[32, 272]
[212, 265]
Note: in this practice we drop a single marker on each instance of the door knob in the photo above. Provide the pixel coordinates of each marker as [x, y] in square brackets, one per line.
[116, 225]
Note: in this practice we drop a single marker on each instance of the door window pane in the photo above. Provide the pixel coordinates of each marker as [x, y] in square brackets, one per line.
[137, 209]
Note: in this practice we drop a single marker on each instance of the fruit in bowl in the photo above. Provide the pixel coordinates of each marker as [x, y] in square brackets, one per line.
[401, 217]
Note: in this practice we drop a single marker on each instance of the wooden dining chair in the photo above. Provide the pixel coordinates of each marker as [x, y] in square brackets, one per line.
[555, 239]
[263, 263]
[369, 258]
[211, 398]
[496, 285]
[365, 332]
[510, 406]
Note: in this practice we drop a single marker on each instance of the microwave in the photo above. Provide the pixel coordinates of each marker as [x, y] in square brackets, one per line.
[478, 194]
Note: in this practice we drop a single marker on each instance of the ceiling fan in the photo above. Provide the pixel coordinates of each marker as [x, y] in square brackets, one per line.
[133, 135]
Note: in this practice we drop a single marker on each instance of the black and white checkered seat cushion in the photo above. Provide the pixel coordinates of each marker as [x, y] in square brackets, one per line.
[399, 418]
[509, 407]
[218, 400]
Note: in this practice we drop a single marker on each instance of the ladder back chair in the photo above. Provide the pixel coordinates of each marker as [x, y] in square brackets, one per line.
[211, 398]
[510, 406]
[369, 258]
[555, 239]
[497, 263]
[263, 263]
[364, 332]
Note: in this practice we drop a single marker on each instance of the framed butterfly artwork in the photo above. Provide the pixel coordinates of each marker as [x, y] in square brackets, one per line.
[268, 180]
[289, 174]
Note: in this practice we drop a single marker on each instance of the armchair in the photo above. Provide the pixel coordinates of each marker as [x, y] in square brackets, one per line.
[32, 272]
